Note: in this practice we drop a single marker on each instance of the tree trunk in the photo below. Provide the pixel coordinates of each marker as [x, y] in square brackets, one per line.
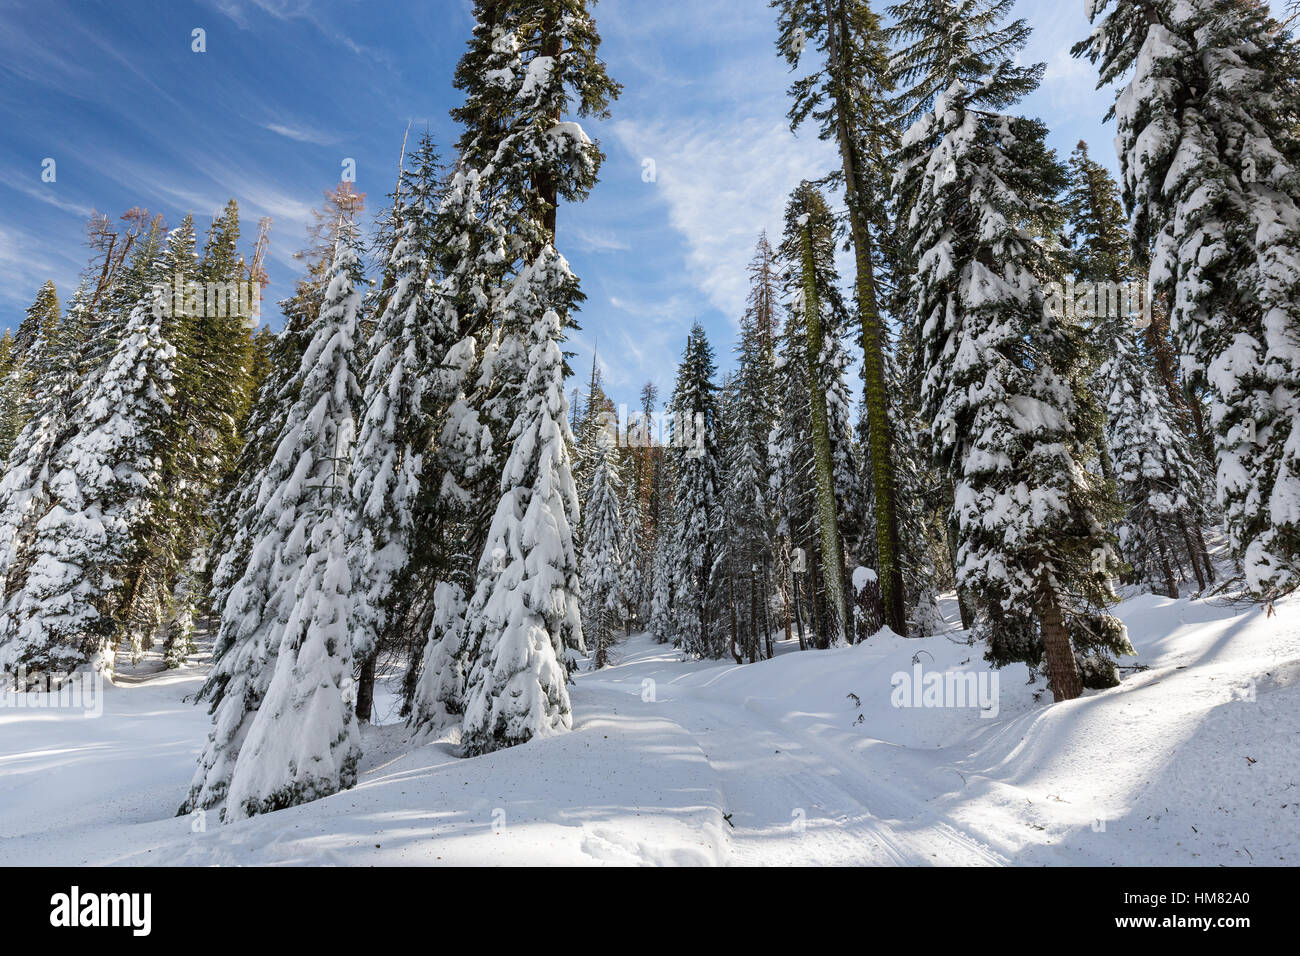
[816, 609]
[366, 689]
[767, 609]
[879, 438]
[1062, 669]
[1103, 455]
[1191, 553]
[1204, 551]
[798, 611]
[1171, 585]
[827, 512]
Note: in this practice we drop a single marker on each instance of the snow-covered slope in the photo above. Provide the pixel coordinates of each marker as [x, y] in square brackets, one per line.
[801, 759]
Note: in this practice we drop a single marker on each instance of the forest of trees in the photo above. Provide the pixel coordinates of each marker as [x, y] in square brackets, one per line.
[401, 480]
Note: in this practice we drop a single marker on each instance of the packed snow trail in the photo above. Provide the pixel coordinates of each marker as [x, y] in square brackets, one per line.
[789, 785]
[804, 759]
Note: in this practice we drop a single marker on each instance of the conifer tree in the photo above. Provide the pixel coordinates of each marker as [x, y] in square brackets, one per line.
[1155, 467]
[404, 399]
[850, 99]
[749, 506]
[530, 64]
[22, 362]
[1147, 451]
[101, 486]
[975, 183]
[24, 489]
[808, 302]
[524, 615]
[603, 545]
[1210, 164]
[696, 467]
[282, 729]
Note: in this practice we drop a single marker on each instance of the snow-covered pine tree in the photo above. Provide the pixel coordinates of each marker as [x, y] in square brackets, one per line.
[37, 325]
[975, 185]
[595, 421]
[277, 368]
[747, 496]
[729, 575]
[693, 450]
[24, 489]
[809, 302]
[664, 506]
[215, 385]
[1157, 474]
[11, 397]
[631, 582]
[169, 521]
[438, 698]
[661, 587]
[282, 729]
[1211, 174]
[850, 98]
[403, 403]
[75, 604]
[792, 483]
[603, 546]
[459, 474]
[524, 615]
[530, 64]
[1156, 470]
[38, 322]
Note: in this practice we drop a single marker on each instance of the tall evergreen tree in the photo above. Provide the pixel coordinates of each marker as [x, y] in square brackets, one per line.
[694, 452]
[302, 743]
[748, 500]
[404, 400]
[1210, 163]
[524, 615]
[74, 606]
[22, 362]
[283, 731]
[1155, 467]
[530, 64]
[814, 236]
[975, 183]
[850, 99]
[603, 546]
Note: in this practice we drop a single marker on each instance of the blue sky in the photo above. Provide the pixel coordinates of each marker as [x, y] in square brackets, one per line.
[288, 89]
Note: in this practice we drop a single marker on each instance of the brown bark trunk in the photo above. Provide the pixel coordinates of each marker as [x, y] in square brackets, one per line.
[366, 690]
[1171, 585]
[889, 547]
[1191, 553]
[1204, 552]
[1062, 669]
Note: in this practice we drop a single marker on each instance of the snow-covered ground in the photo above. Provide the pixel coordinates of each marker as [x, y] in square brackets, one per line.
[801, 759]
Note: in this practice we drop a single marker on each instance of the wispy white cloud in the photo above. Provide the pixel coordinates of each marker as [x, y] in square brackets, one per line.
[599, 240]
[26, 261]
[723, 183]
[240, 12]
[49, 194]
[299, 134]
